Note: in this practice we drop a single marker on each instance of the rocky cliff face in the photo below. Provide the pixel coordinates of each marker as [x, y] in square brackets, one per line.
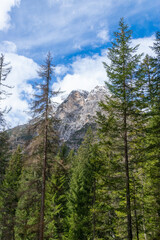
[76, 113]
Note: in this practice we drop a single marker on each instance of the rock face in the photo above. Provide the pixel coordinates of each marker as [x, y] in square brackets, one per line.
[76, 113]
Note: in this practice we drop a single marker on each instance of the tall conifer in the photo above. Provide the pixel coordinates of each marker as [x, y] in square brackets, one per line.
[121, 107]
[43, 121]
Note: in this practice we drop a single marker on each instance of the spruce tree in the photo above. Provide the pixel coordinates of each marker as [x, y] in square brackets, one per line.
[153, 129]
[9, 196]
[121, 107]
[56, 197]
[84, 201]
[28, 207]
[80, 199]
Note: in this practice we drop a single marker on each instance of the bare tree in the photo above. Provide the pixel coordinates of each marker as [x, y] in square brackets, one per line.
[5, 69]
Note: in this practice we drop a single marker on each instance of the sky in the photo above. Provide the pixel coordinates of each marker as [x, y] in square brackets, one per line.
[77, 33]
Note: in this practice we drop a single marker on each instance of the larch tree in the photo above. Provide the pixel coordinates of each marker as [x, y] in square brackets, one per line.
[43, 122]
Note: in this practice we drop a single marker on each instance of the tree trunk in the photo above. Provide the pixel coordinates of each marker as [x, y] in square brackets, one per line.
[129, 220]
[135, 211]
[41, 230]
[93, 204]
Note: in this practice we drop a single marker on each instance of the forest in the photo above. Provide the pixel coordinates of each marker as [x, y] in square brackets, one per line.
[108, 189]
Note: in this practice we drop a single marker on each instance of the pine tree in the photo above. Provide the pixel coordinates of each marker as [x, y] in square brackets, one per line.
[9, 196]
[121, 106]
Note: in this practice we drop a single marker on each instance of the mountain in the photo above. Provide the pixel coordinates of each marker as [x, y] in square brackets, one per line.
[76, 113]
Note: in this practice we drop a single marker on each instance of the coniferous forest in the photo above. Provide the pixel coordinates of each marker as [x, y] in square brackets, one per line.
[108, 189]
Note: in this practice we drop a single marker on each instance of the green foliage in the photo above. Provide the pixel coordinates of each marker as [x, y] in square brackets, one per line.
[9, 196]
[88, 213]
[28, 208]
[80, 199]
[4, 154]
[56, 196]
[118, 124]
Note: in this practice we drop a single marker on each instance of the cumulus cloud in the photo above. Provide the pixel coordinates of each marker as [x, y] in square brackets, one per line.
[5, 8]
[23, 69]
[88, 72]
[145, 45]
[60, 70]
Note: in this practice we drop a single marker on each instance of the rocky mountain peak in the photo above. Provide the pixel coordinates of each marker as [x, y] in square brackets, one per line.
[76, 113]
[74, 101]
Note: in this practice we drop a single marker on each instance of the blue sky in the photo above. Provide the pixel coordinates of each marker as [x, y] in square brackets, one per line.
[76, 32]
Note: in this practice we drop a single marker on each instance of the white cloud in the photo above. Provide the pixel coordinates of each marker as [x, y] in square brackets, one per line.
[8, 47]
[145, 45]
[60, 70]
[103, 34]
[5, 8]
[23, 69]
[69, 25]
[83, 73]
[88, 72]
